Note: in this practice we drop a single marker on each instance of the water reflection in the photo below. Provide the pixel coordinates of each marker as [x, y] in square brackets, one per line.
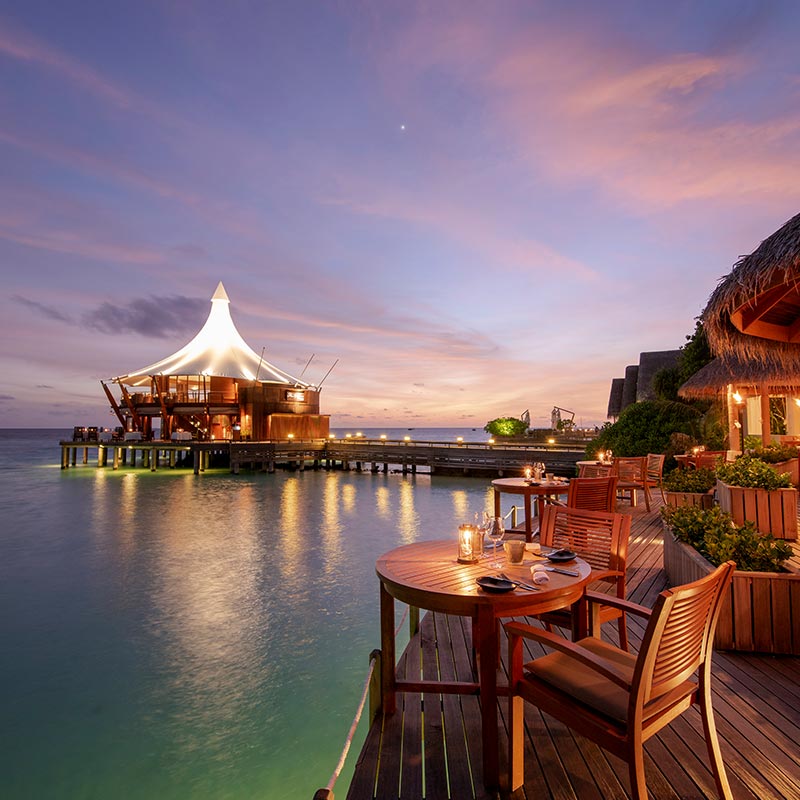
[407, 521]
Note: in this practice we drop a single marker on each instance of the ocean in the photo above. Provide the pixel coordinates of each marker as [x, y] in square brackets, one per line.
[167, 635]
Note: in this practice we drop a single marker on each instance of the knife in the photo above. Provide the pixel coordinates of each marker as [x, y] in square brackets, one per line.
[563, 571]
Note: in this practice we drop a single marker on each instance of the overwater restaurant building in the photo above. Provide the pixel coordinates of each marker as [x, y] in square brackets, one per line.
[217, 387]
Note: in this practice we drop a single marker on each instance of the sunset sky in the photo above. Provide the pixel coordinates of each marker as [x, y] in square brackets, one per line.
[478, 208]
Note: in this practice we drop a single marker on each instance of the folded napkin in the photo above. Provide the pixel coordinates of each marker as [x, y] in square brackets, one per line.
[539, 573]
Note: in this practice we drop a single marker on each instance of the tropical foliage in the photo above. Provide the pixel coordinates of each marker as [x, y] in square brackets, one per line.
[644, 428]
[506, 426]
[696, 481]
[775, 453]
[752, 473]
[714, 535]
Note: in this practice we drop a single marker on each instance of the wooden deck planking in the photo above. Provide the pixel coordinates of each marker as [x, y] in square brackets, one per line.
[756, 704]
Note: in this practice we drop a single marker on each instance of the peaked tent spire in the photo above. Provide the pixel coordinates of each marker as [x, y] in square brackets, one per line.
[218, 349]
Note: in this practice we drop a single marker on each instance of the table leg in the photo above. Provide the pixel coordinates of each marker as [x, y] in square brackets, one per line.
[496, 503]
[388, 694]
[488, 653]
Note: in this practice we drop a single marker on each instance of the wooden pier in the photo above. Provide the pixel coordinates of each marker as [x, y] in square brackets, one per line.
[431, 747]
[375, 455]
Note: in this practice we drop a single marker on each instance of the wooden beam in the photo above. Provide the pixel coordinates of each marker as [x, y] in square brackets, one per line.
[115, 407]
[759, 305]
[129, 403]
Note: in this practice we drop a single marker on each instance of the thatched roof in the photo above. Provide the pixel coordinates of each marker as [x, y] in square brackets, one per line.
[629, 386]
[755, 311]
[615, 397]
[649, 365]
[713, 379]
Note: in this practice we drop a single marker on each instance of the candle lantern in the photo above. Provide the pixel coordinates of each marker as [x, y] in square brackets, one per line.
[470, 544]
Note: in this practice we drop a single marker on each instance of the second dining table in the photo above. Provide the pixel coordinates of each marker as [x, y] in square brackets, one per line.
[541, 490]
[428, 575]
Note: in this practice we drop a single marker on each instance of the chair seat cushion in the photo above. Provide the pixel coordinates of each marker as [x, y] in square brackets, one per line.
[592, 689]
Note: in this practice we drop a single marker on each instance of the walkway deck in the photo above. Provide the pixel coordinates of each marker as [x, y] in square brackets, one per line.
[431, 747]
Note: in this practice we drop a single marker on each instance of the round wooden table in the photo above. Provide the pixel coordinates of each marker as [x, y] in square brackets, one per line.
[427, 575]
[521, 486]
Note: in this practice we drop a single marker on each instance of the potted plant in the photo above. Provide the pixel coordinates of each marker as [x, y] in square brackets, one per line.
[690, 487]
[782, 458]
[749, 489]
[764, 596]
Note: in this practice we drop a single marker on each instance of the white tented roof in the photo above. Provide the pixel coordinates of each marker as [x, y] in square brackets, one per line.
[218, 349]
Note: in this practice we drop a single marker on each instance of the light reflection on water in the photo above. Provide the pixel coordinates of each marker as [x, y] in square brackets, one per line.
[170, 635]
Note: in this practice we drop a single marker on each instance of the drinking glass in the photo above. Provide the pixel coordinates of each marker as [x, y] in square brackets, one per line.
[495, 533]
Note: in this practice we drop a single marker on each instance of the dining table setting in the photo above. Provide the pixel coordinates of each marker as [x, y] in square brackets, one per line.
[461, 577]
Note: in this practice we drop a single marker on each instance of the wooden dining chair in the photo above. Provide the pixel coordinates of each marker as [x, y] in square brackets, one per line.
[593, 494]
[601, 539]
[595, 470]
[619, 700]
[655, 473]
[632, 476]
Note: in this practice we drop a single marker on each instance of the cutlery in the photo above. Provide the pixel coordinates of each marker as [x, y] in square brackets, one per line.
[564, 571]
[519, 583]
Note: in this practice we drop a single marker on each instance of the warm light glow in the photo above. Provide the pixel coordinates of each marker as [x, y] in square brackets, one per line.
[331, 435]
[528, 473]
[797, 401]
[737, 397]
[290, 436]
[359, 434]
[491, 441]
[459, 439]
[383, 436]
[551, 441]
[348, 436]
[406, 438]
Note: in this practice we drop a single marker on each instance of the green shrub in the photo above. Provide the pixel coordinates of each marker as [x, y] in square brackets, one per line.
[506, 426]
[698, 481]
[713, 534]
[752, 473]
[776, 453]
[644, 428]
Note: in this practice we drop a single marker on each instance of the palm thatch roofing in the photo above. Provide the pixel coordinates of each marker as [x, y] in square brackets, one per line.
[714, 378]
[754, 312]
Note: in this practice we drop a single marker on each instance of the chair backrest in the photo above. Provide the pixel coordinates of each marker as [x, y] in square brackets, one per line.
[595, 470]
[680, 634]
[655, 467]
[593, 494]
[598, 537]
[631, 469]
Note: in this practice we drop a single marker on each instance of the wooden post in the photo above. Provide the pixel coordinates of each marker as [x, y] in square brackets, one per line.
[766, 436]
[196, 459]
[116, 458]
[85, 455]
[64, 457]
[375, 686]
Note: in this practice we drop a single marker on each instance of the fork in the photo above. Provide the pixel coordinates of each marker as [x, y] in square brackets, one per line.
[519, 583]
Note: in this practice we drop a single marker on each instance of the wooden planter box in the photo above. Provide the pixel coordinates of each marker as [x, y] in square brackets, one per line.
[792, 467]
[762, 611]
[704, 500]
[773, 511]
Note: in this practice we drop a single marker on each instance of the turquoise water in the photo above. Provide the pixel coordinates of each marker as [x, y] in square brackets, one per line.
[166, 635]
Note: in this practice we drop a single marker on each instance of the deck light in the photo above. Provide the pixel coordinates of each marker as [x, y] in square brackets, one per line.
[459, 439]
[359, 434]
[738, 398]
[383, 436]
[290, 436]
[348, 436]
[491, 441]
[406, 438]
[551, 441]
[331, 435]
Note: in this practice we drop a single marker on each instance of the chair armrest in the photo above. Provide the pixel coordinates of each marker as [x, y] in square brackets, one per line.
[618, 602]
[571, 649]
[605, 574]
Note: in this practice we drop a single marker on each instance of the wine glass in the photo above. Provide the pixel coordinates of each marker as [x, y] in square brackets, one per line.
[495, 532]
[538, 470]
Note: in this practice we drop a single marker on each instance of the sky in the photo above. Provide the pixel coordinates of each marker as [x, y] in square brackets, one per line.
[478, 208]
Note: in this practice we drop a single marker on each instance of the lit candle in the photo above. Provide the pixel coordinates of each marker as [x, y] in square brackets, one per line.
[469, 544]
[528, 472]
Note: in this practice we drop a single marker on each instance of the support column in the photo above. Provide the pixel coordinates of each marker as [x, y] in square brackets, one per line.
[766, 436]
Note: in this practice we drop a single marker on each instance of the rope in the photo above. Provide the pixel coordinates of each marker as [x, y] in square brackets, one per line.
[351, 733]
[353, 727]
[402, 620]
